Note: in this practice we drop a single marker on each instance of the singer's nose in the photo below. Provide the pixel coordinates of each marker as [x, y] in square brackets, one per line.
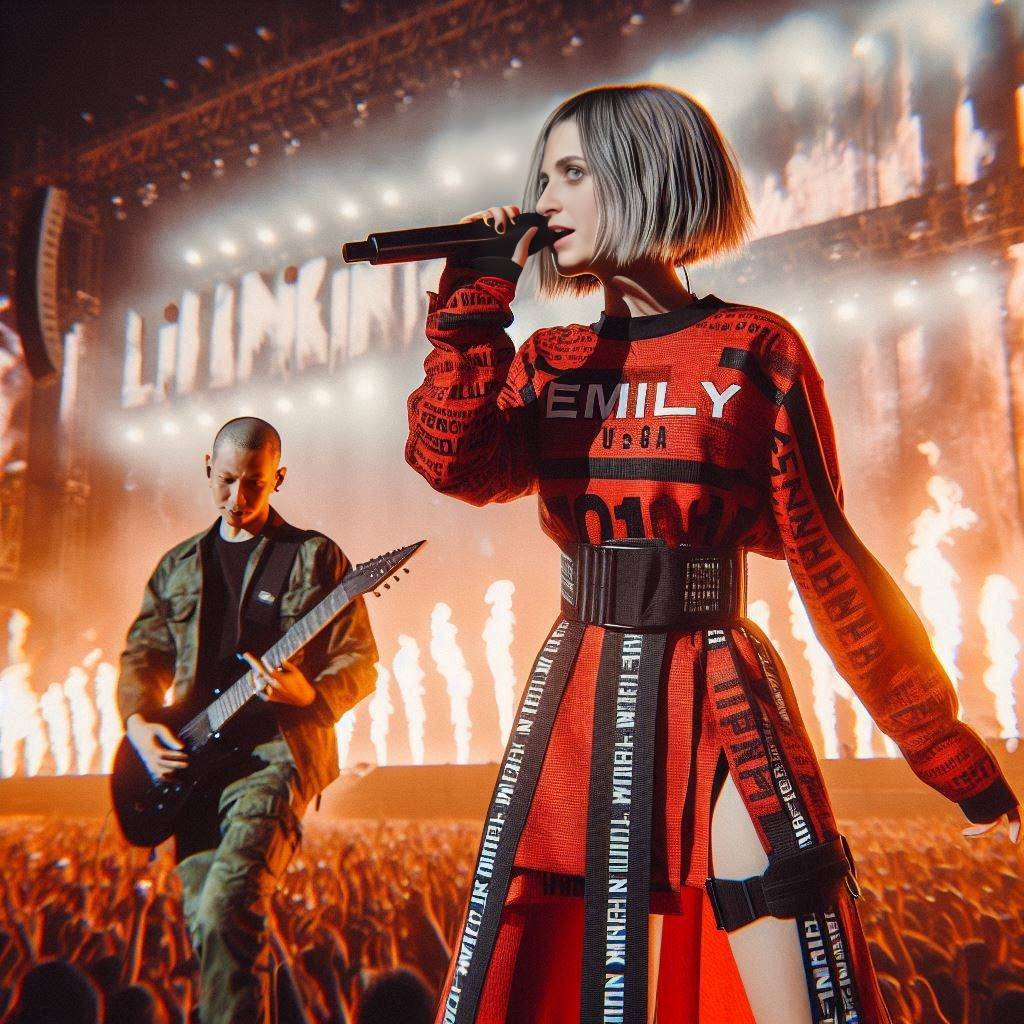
[546, 202]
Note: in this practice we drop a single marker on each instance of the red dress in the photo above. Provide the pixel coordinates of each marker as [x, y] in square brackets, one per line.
[705, 425]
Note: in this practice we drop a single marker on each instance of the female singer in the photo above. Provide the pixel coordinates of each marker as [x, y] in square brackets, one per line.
[658, 753]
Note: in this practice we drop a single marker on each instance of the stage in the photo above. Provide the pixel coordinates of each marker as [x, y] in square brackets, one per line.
[875, 788]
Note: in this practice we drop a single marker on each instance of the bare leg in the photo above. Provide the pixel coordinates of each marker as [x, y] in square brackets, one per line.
[767, 951]
[654, 926]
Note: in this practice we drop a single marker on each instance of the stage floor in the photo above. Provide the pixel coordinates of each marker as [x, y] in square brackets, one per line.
[879, 788]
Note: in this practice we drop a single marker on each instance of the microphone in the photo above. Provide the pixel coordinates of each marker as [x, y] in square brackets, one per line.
[474, 238]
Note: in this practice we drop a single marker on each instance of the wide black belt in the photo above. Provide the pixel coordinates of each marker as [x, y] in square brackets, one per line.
[646, 585]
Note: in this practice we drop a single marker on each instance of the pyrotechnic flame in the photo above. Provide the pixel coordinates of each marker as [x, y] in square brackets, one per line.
[928, 569]
[406, 666]
[971, 148]
[381, 710]
[759, 612]
[827, 685]
[497, 636]
[20, 726]
[110, 731]
[18, 715]
[344, 728]
[901, 165]
[54, 706]
[17, 637]
[451, 663]
[998, 595]
[84, 718]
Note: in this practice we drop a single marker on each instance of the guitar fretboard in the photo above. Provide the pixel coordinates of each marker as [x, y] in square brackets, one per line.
[208, 723]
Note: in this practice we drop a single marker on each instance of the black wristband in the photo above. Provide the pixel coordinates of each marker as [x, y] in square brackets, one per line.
[497, 266]
[990, 804]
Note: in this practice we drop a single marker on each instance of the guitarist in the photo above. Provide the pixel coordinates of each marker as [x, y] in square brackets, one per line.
[237, 587]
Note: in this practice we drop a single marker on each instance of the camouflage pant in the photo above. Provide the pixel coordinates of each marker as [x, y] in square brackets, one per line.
[227, 890]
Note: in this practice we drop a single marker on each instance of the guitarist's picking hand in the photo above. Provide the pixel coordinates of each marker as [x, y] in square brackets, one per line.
[285, 684]
[160, 750]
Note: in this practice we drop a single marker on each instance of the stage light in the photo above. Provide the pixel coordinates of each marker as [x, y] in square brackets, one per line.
[186, 175]
[5, 303]
[284, 405]
[636, 19]
[218, 167]
[117, 200]
[348, 209]
[204, 419]
[515, 63]
[291, 146]
[865, 48]
[846, 311]
[451, 178]
[193, 258]
[228, 247]
[88, 117]
[361, 106]
[233, 50]
[364, 385]
[389, 197]
[133, 435]
[206, 63]
[505, 160]
[254, 155]
[170, 428]
[321, 396]
[305, 224]
[965, 284]
[264, 34]
[904, 298]
[170, 84]
[265, 236]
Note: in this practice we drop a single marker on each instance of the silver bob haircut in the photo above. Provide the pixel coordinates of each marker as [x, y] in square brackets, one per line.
[667, 183]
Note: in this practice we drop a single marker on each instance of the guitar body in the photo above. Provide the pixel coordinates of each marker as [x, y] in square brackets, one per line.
[150, 811]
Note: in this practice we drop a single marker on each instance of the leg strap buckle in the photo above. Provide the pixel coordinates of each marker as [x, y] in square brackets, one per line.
[800, 883]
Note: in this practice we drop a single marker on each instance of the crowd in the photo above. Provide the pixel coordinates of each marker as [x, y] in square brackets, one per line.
[92, 932]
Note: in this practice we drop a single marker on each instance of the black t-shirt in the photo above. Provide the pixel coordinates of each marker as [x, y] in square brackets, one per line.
[232, 558]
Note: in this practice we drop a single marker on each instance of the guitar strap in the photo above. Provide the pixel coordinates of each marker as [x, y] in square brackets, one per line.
[262, 608]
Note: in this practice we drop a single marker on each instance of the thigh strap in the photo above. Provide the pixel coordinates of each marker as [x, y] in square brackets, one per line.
[803, 882]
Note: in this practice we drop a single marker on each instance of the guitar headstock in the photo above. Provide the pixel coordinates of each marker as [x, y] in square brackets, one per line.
[377, 571]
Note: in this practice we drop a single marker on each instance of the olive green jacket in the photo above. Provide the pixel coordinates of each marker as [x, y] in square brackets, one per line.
[162, 648]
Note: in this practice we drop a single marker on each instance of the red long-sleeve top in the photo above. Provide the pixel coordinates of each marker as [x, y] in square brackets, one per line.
[706, 425]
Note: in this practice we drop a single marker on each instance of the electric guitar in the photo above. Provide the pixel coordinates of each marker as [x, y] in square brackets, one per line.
[149, 809]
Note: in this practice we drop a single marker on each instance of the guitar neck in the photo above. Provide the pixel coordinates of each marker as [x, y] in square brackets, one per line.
[208, 723]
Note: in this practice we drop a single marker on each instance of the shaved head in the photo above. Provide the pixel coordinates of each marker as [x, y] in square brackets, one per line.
[249, 432]
[243, 471]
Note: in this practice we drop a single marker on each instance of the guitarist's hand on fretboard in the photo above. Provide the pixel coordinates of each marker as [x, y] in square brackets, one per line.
[285, 684]
[159, 749]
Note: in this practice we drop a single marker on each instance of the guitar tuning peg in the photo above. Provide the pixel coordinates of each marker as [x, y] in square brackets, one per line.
[375, 594]
[405, 569]
[398, 579]
[387, 586]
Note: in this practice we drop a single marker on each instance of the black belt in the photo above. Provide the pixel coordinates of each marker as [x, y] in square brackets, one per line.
[646, 585]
